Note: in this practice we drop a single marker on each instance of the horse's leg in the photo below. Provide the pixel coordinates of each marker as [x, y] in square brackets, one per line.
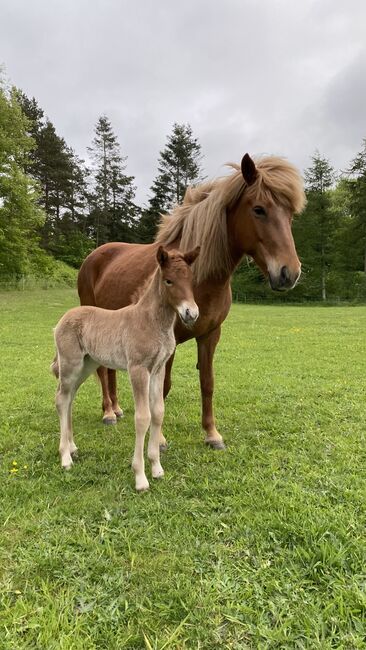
[140, 379]
[206, 349]
[157, 415]
[167, 386]
[112, 383]
[168, 372]
[109, 416]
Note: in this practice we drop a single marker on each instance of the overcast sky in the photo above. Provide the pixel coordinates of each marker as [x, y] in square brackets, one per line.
[264, 76]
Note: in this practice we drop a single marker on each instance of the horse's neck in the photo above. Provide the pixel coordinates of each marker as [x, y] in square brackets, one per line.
[236, 248]
[154, 305]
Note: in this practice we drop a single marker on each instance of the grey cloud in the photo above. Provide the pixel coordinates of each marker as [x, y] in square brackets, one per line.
[271, 77]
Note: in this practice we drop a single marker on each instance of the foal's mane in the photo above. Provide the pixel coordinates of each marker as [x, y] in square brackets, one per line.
[201, 218]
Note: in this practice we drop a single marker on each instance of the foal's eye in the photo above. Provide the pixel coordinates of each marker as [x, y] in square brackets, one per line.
[259, 211]
[168, 283]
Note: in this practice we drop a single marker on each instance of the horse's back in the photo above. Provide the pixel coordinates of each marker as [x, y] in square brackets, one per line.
[112, 273]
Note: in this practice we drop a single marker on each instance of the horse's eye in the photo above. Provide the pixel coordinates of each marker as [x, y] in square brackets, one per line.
[259, 211]
[168, 282]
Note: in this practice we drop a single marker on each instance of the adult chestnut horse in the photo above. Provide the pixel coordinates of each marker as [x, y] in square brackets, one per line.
[246, 213]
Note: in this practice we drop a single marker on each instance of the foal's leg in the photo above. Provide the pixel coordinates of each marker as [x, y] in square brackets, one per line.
[87, 368]
[109, 416]
[112, 383]
[73, 447]
[206, 349]
[72, 375]
[157, 415]
[64, 397]
[140, 379]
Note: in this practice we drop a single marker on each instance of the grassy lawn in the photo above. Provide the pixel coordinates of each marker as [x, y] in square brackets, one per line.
[261, 546]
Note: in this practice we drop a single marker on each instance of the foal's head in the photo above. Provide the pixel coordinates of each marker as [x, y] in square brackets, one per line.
[176, 282]
[263, 216]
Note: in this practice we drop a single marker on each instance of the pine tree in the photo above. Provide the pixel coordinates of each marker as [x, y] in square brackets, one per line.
[114, 212]
[179, 166]
[35, 123]
[314, 228]
[357, 187]
[62, 178]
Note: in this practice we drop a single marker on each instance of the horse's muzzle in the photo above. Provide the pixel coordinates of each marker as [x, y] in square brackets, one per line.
[284, 279]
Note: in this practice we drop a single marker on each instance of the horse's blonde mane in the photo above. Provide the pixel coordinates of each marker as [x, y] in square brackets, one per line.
[201, 219]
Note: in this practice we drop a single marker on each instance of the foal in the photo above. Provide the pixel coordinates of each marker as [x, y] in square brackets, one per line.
[138, 338]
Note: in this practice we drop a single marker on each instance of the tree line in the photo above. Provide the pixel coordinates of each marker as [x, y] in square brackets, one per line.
[70, 206]
[55, 206]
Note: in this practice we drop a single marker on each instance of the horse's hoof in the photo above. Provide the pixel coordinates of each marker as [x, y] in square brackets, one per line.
[219, 445]
[119, 414]
[109, 420]
[163, 447]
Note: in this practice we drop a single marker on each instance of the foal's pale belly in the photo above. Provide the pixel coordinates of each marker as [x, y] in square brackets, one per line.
[119, 359]
[114, 361]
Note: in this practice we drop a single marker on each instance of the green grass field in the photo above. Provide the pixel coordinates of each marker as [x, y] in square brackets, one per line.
[261, 546]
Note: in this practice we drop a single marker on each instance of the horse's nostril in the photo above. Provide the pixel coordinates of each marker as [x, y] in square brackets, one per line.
[284, 275]
[187, 313]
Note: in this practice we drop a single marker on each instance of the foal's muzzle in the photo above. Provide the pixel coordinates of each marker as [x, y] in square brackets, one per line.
[283, 279]
[188, 313]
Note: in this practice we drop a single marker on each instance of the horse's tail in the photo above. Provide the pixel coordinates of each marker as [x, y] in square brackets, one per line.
[54, 367]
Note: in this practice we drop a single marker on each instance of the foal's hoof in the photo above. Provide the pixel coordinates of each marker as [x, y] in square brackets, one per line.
[67, 465]
[119, 414]
[109, 420]
[219, 445]
[158, 473]
[142, 485]
[163, 446]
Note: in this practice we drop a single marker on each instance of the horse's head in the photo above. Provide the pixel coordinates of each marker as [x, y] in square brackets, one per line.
[177, 282]
[263, 216]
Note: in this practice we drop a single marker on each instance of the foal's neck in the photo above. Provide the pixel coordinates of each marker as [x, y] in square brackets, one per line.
[155, 305]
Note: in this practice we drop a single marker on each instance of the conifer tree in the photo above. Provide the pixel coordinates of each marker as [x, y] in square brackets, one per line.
[315, 227]
[179, 166]
[62, 178]
[114, 212]
[357, 187]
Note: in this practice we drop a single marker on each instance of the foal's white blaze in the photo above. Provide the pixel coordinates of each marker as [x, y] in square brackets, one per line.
[189, 312]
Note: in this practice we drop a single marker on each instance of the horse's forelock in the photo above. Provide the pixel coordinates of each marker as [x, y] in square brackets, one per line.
[282, 180]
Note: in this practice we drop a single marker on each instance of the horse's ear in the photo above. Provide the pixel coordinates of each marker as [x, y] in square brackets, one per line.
[248, 169]
[191, 256]
[162, 256]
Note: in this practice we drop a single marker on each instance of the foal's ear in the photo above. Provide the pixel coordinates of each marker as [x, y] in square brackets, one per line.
[248, 169]
[190, 257]
[162, 256]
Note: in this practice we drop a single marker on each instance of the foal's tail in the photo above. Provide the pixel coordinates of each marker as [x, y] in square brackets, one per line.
[54, 367]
